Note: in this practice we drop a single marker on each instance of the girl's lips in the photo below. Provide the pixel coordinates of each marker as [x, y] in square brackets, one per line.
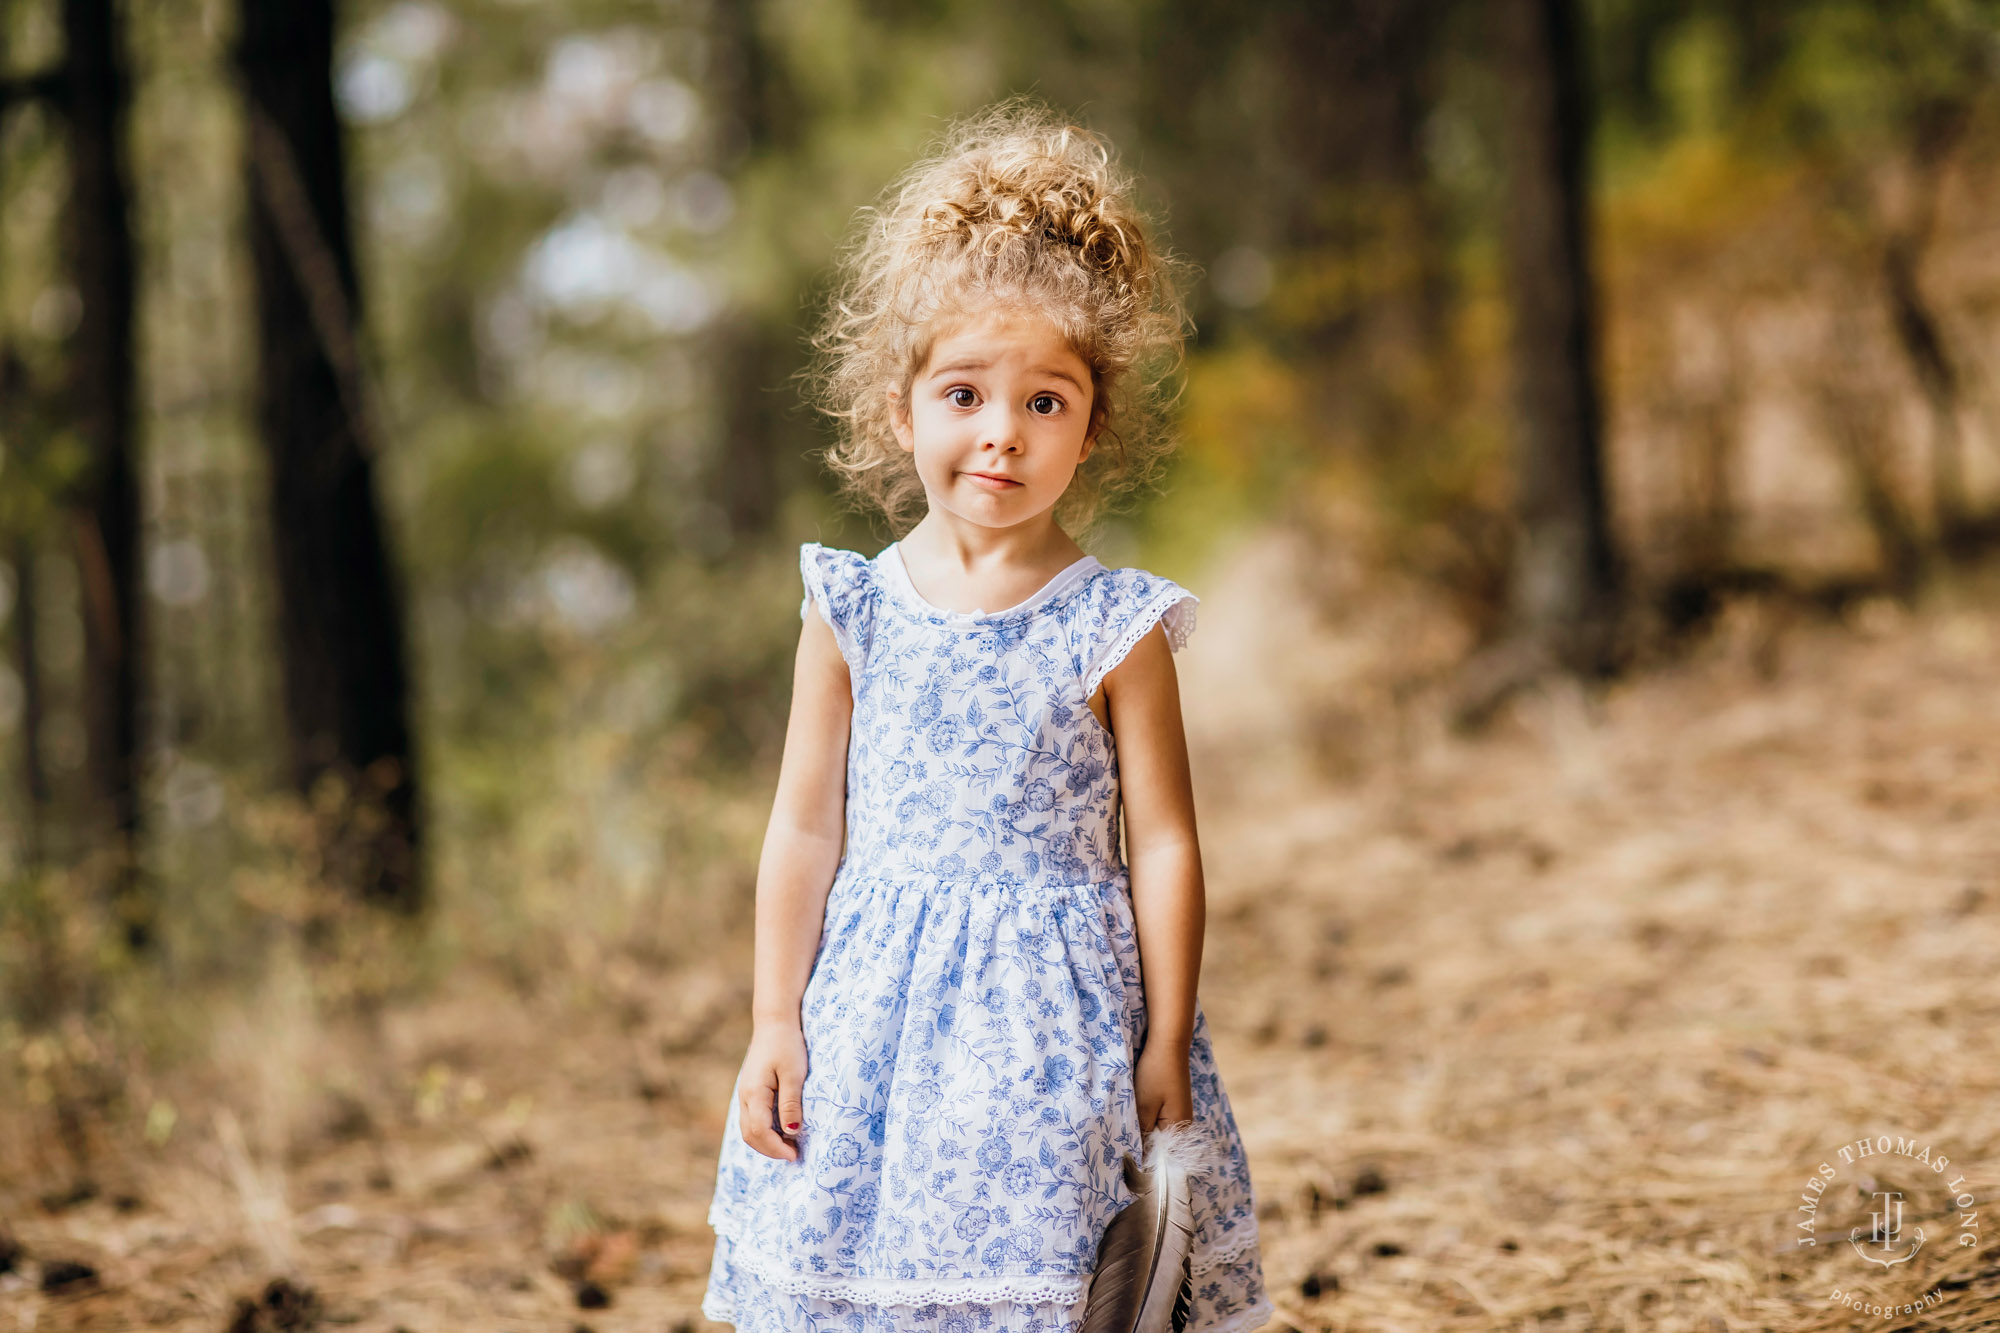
[993, 483]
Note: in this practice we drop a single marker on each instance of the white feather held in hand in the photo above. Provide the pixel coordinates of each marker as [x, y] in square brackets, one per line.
[1144, 1281]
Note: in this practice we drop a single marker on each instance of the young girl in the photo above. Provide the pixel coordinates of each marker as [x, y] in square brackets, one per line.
[954, 1044]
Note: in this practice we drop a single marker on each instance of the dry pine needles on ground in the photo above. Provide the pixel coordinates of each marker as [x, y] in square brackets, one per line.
[1544, 1030]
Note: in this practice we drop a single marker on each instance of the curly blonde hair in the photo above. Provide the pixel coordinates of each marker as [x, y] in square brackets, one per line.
[1018, 208]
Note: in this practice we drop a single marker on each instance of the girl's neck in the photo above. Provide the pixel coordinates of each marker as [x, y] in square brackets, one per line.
[951, 566]
[972, 551]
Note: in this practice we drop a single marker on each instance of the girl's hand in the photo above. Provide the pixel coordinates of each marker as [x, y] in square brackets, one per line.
[773, 1074]
[1164, 1083]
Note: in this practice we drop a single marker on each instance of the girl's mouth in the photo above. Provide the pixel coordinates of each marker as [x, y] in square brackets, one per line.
[993, 483]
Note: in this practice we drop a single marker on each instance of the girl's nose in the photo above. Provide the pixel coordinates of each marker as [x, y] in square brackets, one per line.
[1003, 431]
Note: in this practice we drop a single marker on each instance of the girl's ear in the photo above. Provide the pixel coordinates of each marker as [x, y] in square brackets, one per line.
[1093, 432]
[899, 420]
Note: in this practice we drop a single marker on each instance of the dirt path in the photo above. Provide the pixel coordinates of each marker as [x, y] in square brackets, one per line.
[1547, 1030]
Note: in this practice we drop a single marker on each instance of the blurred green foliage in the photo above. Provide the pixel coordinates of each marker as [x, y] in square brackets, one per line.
[593, 232]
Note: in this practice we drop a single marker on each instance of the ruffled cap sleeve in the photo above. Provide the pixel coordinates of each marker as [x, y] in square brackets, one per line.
[837, 581]
[1126, 605]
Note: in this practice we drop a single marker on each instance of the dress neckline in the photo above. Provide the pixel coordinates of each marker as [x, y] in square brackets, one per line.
[900, 581]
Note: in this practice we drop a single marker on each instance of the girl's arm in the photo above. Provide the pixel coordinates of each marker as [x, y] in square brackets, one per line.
[1169, 899]
[802, 847]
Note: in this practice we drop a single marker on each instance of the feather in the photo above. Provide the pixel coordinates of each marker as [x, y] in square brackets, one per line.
[1144, 1281]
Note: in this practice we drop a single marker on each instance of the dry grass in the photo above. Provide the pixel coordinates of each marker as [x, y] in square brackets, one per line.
[1543, 1030]
[1595, 996]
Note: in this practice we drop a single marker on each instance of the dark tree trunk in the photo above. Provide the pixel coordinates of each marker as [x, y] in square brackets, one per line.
[1922, 339]
[346, 684]
[752, 360]
[1357, 82]
[1939, 127]
[1711, 539]
[106, 512]
[1565, 579]
[1856, 420]
[763, 112]
[751, 374]
[28, 663]
[1761, 40]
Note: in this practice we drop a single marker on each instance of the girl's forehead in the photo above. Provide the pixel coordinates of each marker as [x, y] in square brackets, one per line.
[1003, 333]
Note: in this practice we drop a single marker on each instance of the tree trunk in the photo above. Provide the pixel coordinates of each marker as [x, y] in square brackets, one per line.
[1564, 592]
[751, 356]
[106, 511]
[1922, 339]
[28, 663]
[341, 632]
[745, 480]
[1856, 420]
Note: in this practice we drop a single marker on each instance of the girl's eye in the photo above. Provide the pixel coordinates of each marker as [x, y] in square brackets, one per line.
[963, 397]
[1045, 403]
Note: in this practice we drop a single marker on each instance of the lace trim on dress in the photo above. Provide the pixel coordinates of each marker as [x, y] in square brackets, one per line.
[1224, 1255]
[1180, 622]
[944, 1291]
[723, 1311]
[1176, 605]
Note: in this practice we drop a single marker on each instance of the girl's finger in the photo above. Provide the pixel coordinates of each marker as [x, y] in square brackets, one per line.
[755, 1117]
[791, 1106]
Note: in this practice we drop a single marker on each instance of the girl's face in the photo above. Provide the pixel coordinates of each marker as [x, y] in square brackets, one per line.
[997, 418]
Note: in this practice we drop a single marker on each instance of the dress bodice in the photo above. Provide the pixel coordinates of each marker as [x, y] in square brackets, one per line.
[973, 754]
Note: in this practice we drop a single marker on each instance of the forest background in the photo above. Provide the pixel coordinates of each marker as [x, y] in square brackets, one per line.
[402, 476]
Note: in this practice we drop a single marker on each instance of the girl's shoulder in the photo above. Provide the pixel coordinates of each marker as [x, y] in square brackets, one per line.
[1116, 609]
[1126, 591]
[845, 587]
[835, 566]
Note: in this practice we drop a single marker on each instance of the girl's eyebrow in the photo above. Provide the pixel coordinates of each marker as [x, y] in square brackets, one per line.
[972, 364]
[957, 366]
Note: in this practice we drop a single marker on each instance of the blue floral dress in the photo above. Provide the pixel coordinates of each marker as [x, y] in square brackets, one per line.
[975, 1006]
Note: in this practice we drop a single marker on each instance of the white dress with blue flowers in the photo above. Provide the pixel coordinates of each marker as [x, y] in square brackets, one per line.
[975, 1007]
